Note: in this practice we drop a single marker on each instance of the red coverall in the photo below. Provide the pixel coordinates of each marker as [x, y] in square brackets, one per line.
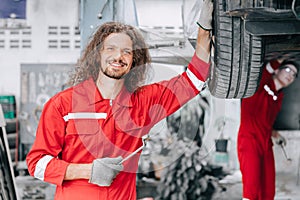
[77, 126]
[255, 153]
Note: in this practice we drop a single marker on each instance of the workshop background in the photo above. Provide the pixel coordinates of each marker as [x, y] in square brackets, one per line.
[40, 42]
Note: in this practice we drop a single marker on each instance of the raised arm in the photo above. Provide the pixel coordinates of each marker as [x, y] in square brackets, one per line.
[205, 27]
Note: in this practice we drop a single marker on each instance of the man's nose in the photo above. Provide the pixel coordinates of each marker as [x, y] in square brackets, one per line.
[118, 54]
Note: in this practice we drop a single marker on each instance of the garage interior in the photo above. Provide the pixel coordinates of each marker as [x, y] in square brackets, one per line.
[40, 42]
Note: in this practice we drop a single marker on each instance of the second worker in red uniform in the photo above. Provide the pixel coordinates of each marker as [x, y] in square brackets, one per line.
[258, 114]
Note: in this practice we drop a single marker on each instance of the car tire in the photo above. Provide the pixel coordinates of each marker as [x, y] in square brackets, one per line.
[238, 57]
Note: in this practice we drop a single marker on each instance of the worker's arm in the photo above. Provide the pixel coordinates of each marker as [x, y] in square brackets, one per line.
[43, 159]
[200, 63]
[78, 171]
[203, 45]
[101, 171]
[205, 26]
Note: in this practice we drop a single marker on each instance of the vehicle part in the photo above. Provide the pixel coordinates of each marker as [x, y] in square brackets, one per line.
[245, 33]
[238, 57]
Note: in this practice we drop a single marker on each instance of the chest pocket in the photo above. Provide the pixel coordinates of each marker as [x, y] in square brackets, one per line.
[82, 127]
[83, 123]
[83, 133]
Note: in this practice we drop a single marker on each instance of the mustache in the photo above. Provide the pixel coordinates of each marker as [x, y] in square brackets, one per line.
[120, 62]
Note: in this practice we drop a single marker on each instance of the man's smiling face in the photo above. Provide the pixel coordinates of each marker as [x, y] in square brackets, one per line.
[116, 55]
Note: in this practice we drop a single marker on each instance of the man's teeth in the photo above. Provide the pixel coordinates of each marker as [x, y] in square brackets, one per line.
[116, 64]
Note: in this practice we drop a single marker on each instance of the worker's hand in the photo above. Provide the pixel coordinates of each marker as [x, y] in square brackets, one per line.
[205, 19]
[104, 170]
[280, 140]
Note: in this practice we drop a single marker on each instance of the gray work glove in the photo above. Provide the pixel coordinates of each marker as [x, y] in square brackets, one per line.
[104, 170]
[205, 19]
[280, 140]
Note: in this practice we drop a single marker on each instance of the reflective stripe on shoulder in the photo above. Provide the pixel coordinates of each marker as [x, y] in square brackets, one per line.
[196, 82]
[84, 115]
[40, 167]
[269, 68]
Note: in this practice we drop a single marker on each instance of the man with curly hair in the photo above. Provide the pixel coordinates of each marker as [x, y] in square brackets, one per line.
[87, 130]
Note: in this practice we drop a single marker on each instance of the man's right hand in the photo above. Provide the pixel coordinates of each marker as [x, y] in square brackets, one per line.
[206, 12]
[104, 170]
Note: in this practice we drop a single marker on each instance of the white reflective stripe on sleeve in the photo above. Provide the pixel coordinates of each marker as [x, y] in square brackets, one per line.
[196, 82]
[269, 68]
[85, 115]
[40, 167]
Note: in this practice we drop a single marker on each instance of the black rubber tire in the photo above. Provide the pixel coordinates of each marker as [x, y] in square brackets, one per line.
[238, 57]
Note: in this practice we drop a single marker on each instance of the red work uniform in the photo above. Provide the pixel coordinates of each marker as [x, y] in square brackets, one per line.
[255, 153]
[78, 125]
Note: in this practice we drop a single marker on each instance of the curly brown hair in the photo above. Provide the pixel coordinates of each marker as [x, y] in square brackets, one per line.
[89, 63]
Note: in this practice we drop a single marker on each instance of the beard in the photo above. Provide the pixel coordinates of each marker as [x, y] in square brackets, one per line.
[115, 74]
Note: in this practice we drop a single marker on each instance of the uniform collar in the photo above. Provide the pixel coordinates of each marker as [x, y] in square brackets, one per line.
[94, 96]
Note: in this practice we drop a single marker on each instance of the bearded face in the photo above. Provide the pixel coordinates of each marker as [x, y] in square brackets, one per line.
[116, 55]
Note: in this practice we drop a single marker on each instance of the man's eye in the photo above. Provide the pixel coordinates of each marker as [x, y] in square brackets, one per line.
[109, 48]
[128, 52]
